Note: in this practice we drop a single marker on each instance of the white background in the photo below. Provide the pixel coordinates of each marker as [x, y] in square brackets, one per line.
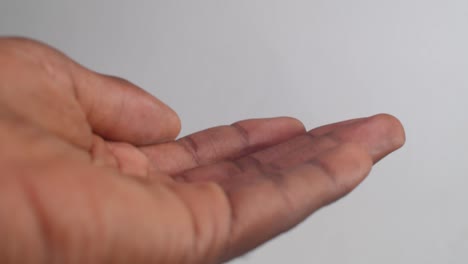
[219, 61]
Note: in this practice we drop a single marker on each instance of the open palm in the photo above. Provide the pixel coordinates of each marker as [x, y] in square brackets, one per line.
[91, 173]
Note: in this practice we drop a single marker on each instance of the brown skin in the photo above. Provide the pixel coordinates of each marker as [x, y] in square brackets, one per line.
[90, 171]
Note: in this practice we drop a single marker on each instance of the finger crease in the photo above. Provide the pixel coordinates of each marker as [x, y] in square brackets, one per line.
[244, 134]
[189, 144]
[327, 171]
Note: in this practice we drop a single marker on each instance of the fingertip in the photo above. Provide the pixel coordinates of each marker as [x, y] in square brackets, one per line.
[155, 123]
[173, 127]
[293, 122]
[391, 128]
[395, 128]
[380, 134]
[119, 110]
[164, 123]
[289, 125]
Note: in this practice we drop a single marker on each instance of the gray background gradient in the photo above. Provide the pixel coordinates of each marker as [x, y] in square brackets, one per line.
[219, 61]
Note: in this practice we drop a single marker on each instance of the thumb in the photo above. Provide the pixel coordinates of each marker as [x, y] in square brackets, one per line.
[43, 86]
[119, 110]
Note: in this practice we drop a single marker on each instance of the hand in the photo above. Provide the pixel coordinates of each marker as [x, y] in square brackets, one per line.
[90, 171]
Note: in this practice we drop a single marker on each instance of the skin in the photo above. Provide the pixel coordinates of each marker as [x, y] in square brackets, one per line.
[90, 171]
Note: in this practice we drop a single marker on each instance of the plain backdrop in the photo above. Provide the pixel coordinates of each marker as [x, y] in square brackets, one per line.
[321, 61]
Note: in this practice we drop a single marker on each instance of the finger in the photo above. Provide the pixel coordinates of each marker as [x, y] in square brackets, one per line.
[266, 204]
[224, 142]
[57, 91]
[379, 135]
[368, 132]
[120, 111]
[262, 190]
